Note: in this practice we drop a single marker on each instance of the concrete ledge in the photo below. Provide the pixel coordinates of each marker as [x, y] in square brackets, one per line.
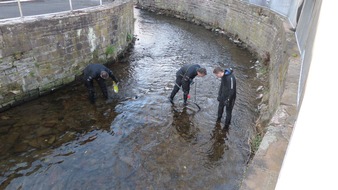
[263, 171]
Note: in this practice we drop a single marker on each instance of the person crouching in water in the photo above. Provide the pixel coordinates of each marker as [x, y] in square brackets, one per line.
[184, 77]
[227, 93]
[99, 73]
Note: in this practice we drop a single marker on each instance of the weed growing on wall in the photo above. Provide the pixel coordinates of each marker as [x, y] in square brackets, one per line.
[110, 50]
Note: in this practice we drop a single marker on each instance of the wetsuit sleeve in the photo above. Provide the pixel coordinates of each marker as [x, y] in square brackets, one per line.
[219, 98]
[224, 90]
[111, 75]
[88, 75]
[192, 71]
[228, 88]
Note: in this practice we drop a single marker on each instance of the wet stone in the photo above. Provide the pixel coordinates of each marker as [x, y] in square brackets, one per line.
[12, 138]
[45, 141]
[34, 143]
[42, 131]
[6, 122]
[4, 128]
[51, 139]
[51, 123]
[3, 149]
[22, 147]
[69, 136]
[4, 117]
[62, 127]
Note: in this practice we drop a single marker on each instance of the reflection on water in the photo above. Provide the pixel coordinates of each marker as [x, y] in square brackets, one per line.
[137, 140]
[182, 121]
[219, 146]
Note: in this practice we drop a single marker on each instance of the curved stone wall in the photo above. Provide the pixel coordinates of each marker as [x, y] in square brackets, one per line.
[261, 30]
[269, 35]
[39, 54]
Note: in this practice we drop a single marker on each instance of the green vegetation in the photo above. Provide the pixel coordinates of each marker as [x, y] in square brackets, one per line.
[263, 70]
[18, 55]
[110, 50]
[129, 37]
[36, 64]
[255, 143]
[32, 74]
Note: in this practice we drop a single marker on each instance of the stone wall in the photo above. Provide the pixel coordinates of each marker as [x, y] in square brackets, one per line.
[261, 30]
[40, 54]
[269, 35]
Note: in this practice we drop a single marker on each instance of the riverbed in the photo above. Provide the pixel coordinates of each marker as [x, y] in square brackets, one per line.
[137, 139]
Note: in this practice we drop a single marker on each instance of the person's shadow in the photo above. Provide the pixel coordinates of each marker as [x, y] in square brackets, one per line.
[182, 121]
[219, 145]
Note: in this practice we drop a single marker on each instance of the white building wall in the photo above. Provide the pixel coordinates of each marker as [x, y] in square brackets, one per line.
[311, 161]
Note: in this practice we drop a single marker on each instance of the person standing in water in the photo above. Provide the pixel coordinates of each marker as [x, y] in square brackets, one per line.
[100, 73]
[184, 77]
[227, 93]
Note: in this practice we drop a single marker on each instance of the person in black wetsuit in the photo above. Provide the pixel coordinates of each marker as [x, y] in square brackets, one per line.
[226, 94]
[99, 73]
[184, 78]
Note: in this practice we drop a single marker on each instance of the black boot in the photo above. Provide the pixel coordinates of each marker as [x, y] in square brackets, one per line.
[185, 97]
[103, 87]
[171, 100]
[92, 97]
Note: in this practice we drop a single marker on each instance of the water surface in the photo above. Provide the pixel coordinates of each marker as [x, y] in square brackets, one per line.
[138, 140]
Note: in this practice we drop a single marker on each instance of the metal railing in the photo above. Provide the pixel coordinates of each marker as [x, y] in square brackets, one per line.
[21, 8]
[71, 5]
[287, 8]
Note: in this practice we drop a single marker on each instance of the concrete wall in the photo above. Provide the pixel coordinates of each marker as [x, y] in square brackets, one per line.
[305, 32]
[39, 54]
[262, 30]
[311, 158]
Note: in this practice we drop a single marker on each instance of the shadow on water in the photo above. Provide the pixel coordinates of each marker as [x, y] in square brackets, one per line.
[219, 146]
[183, 122]
[137, 140]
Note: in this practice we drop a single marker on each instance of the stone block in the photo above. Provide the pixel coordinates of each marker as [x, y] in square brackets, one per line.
[68, 79]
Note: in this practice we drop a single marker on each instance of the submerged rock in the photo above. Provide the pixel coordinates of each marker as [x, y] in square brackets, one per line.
[12, 138]
[34, 143]
[42, 131]
[22, 147]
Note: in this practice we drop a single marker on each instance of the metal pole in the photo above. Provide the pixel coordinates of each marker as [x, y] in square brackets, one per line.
[100, 2]
[70, 4]
[195, 92]
[19, 4]
[199, 108]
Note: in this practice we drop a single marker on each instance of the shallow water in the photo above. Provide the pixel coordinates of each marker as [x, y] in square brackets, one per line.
[137, 140]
